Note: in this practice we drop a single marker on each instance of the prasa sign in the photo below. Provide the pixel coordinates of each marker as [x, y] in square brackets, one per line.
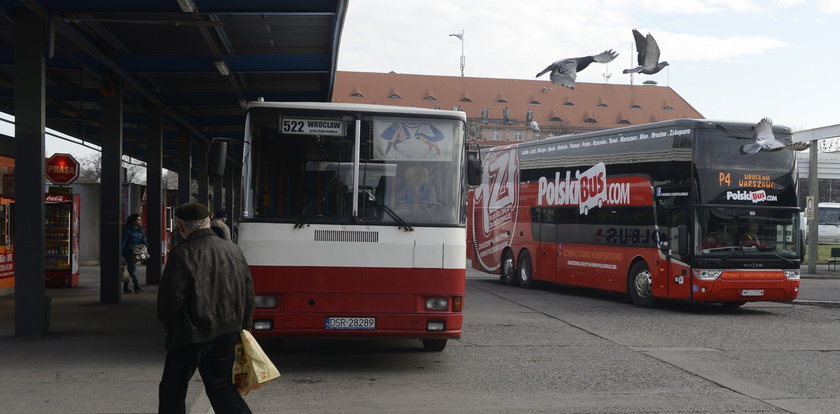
[62, 169]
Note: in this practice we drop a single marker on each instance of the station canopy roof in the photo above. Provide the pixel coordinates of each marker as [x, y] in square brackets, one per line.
[199, 61]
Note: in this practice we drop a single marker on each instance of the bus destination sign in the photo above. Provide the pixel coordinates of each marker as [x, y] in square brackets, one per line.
[302, 126]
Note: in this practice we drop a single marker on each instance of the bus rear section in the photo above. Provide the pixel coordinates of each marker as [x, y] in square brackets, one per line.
[671, 210]
[354, 221]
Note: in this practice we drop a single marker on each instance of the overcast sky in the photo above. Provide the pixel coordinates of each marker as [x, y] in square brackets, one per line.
[730, 59]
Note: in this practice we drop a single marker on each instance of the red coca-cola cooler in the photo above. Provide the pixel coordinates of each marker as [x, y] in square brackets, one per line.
[62, 240]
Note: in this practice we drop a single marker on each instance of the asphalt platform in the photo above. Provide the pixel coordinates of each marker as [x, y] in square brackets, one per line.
[108, 358]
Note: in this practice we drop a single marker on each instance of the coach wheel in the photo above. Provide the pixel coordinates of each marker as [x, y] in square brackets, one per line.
[508, 268]
[434, 345]
[526, 276]
[733, 305]
[640, 284]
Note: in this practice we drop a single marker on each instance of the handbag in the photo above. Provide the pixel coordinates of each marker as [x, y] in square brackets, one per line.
[139, 253]
[251, 368]
[124, 272]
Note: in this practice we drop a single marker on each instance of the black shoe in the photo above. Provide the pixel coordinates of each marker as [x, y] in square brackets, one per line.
[126, 290]
[138, 290]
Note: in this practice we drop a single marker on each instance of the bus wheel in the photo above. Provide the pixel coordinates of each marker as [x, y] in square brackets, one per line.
[526, 276]
[508, 268]
[732, 305]
[434, 345]
[639, 285]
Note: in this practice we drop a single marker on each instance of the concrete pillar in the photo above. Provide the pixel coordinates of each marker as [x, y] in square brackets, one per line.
[154, 195]
[111, 187]
[218, 196]
[185, 169]
[201, 176]
[31, 304]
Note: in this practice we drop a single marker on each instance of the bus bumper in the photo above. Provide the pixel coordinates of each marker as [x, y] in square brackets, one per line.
[305, 325]
[722, 290]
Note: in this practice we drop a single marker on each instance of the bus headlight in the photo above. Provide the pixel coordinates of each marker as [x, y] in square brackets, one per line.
[265, 302]
[437, 304]
[792, 274]
[707, 274]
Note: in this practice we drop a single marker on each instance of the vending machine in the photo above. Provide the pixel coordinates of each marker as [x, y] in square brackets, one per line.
[62, 240]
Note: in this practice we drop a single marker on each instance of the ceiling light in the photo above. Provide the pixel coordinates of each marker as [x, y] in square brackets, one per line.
[186, 6]
[222, 68]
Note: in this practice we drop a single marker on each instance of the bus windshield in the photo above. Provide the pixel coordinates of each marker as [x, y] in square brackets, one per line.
[408, 170]
[761, 231]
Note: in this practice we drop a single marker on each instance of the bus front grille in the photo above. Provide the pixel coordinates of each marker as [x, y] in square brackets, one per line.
[347, 236]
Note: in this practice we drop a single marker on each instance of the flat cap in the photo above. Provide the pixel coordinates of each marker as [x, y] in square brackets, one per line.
[192, 212]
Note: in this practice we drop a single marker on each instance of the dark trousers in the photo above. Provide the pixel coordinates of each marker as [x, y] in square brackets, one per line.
[214, 360]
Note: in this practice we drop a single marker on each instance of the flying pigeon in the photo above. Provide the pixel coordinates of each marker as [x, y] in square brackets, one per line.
[766, 140]
[564, 72]
[648, 52]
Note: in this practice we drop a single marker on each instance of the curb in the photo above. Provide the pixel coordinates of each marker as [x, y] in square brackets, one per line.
[823, 303]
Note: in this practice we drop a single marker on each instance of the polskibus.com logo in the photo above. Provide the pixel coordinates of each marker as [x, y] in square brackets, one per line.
[589, 190]
[754, 196]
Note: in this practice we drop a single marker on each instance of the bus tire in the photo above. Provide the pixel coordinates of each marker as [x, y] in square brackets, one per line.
[639, 285]
[525, 271]
[434, 345]
[508, 268]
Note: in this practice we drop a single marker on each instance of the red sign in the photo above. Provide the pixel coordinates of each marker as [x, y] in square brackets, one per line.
[62, 169]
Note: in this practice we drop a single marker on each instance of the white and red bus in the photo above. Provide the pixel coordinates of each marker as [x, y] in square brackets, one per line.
[668, 210]
[353, 220]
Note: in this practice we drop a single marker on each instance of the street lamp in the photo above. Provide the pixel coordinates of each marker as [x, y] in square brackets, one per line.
[460, 37]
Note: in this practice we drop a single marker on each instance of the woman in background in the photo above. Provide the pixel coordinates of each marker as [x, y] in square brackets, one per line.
[132, 236]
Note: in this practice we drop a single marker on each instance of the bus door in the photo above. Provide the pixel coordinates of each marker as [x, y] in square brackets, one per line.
[547, 257]
[678, 273]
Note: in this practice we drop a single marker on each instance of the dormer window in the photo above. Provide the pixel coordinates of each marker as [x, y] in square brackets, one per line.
[535, 102]
[357, 95]
[395, 96]
[624, 122]
[501, 100]
[635, 106]
[603, 105]
[556, 119]
[465, 99]
[569, 103]
[430, 98]
[590, 121]
[668, 108]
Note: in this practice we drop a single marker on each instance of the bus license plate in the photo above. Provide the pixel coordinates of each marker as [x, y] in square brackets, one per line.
[350, 323]
[752, 292]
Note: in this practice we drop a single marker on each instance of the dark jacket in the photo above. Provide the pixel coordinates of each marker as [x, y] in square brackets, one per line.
[205, 291]
[132, 236]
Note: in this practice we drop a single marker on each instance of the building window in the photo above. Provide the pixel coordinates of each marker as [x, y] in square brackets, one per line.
[668, 108]
[430, 98]
[357, 95]
[569, 103]
[495, 135]
[556, 119]
[519, 135]
[590, 121]
[501, 100]
[624, 122]
[535, 103]
[635, 106]
[466, 99]
[602, 105]
[395, 96]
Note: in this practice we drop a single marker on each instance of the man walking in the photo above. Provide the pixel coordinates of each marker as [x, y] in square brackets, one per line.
[206, 298]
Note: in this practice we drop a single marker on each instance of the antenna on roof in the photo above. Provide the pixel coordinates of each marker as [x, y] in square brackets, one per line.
[460, 37]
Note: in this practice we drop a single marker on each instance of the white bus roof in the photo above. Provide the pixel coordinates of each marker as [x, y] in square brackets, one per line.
[383, 109]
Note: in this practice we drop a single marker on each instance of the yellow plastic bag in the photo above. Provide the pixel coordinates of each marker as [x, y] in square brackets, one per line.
[252, 369]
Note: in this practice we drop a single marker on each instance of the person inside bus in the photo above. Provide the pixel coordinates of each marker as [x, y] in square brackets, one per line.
[416, 193]
[710, 242]
[751, 238]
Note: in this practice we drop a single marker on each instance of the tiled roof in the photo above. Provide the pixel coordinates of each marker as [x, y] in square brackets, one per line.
[608, 105]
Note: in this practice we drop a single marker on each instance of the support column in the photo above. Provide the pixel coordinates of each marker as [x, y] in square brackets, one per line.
[154, 195]
[201, 175]
[813, 225]
[237, 191]
[185, 169]
[229, 177]
[218, 196]
[111, 190]
[31, 304]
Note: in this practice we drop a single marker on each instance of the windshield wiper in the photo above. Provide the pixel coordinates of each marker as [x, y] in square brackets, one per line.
[307, 210]
[393, 214]
[783, 258]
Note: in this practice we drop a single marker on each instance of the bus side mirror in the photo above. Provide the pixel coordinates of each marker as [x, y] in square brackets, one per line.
[473, 166]
[683, 239]
[217, 158]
